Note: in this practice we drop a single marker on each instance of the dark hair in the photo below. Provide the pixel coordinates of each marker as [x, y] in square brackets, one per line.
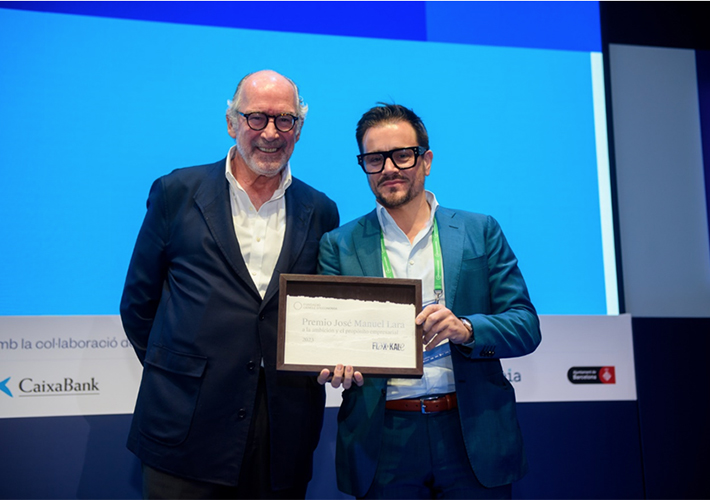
[391, 113]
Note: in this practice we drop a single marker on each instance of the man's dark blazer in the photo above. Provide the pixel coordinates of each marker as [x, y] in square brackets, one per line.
[200, 329]
[482, 282]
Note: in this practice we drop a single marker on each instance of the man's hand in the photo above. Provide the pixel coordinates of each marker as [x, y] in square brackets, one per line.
[344, 375]
[439, 323]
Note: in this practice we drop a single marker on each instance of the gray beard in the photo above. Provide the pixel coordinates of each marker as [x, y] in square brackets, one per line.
[254, 167]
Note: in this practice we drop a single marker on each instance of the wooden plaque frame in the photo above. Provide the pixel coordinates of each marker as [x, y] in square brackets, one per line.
[399, 291]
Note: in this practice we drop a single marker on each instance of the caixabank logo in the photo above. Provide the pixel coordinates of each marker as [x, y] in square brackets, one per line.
[592, 375]
[4, 388]
[63, 387]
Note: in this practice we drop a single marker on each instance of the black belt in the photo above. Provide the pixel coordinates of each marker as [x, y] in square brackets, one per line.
[425, 404]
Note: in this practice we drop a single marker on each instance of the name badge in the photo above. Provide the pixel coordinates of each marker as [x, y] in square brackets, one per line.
[440, 351]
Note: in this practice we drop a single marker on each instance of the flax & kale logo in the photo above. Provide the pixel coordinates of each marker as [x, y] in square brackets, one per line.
[592, 375]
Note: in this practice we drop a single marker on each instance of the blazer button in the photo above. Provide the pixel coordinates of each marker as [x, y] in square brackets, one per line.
[487, 351]
[251, 365]
[241, 414]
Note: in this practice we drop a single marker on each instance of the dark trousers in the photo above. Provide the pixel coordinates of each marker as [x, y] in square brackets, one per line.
[424, 456]
[254, 475]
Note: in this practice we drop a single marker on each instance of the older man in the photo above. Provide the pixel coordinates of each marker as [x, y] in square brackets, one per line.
[454, 432]
[213, 418]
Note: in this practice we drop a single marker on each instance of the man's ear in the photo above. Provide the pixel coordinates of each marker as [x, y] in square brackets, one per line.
[298, 131]
[230, 128]
[428, 157]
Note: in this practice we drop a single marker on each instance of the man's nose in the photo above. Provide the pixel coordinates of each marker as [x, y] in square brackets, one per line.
[270, 131]
[390, 166]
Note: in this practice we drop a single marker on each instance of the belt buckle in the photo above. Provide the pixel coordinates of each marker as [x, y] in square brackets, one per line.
[423, 400]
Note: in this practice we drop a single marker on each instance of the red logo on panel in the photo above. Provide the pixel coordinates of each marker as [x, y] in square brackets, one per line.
[607, 375]
[592, 375]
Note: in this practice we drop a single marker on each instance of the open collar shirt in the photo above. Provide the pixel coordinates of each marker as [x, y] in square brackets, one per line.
[260, 233]
[415, 260]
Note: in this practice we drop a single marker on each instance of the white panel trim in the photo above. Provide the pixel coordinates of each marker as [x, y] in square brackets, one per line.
[604, 181]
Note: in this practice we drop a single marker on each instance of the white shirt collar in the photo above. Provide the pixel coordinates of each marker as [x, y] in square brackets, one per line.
[387, 223]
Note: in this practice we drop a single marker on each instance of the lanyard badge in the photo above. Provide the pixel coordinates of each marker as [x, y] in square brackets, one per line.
[442, 350]
[438, 262]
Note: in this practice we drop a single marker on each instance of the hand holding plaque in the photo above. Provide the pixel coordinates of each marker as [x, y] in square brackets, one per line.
[345, 375]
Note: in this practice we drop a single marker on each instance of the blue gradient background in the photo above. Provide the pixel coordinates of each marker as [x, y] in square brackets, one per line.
[93, 109]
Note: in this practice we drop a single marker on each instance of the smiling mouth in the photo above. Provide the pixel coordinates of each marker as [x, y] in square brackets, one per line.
[267, 150]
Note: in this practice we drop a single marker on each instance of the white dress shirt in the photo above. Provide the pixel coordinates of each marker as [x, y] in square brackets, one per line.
[260, 233]
[415, 260]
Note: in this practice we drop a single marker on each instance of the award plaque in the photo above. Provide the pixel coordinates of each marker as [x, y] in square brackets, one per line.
[364, 322]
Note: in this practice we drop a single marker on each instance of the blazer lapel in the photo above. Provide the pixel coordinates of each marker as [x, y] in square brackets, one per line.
[366, 241]
[212, 198]
[298, 218]
[452, 240]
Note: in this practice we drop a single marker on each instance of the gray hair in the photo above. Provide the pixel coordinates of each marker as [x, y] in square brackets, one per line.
[236, 101]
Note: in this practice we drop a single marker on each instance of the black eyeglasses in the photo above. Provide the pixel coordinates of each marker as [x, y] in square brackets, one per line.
[258, 121]
[402, 158]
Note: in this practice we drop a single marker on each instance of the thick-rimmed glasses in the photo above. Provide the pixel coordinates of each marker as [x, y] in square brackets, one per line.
[402, 158]
[258, 121]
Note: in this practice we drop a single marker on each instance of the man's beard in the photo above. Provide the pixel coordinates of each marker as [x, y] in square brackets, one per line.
[395, 200]
[256, 165]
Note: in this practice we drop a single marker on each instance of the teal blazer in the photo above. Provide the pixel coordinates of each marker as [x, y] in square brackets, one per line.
[482, 282]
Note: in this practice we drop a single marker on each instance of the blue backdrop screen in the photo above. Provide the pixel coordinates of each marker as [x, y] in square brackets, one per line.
[99, 99]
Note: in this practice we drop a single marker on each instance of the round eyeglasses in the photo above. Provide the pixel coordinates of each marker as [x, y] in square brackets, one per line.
[258, 121]
[402, 158]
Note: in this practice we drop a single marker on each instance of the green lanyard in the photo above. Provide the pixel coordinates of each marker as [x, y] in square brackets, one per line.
[438, 265]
